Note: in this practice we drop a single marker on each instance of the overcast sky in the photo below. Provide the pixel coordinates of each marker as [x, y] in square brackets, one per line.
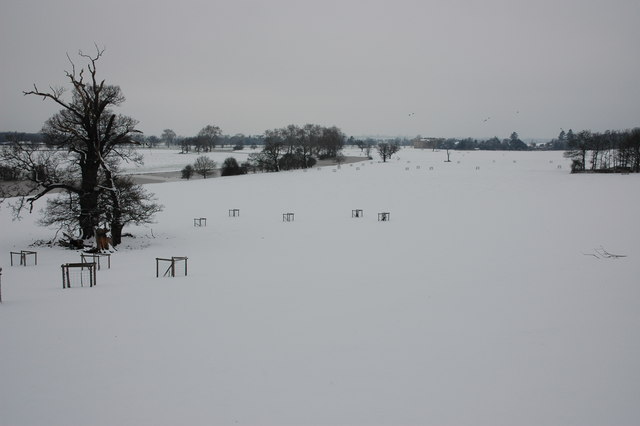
[446, 68]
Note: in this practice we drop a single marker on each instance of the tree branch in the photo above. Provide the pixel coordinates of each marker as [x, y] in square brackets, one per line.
[48, 189]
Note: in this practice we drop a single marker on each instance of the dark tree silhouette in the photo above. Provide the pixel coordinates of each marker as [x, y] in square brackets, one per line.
[85, 131]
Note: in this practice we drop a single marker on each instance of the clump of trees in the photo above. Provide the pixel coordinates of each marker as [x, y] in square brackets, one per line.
[230, 167]
[207, 139]
[512, 143]
[294, 147]
[84, 141]
[607, 152]
[205, 167]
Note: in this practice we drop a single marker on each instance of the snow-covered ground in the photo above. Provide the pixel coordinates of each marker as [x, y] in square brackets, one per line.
[171, 160]
[483, 301]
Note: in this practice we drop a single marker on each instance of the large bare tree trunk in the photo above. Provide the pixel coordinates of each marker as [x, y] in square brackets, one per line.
[89, 214]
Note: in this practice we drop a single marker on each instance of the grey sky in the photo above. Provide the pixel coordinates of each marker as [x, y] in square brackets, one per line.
[247, 65]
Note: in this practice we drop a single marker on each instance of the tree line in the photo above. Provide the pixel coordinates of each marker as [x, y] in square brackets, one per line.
[207, 139]
[9, 137]
[297, 147]
[607, 152]
[512, 143]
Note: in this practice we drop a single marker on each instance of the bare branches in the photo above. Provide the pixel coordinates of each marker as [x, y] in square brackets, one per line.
[49, 188]
[92, 133]
[605, 254]
[601, 253]
[55, 95]
[42, 170]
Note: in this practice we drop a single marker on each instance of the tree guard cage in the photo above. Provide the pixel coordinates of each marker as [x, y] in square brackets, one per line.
[23, 256]
[287, 217]
[200, 221]
[171, 270]
[384, 217]
[356, 213]
[95, 258]
[74, 272]
[234, 212]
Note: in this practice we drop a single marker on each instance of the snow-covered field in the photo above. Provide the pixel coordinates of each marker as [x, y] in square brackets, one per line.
[170, 160]
[483, 301]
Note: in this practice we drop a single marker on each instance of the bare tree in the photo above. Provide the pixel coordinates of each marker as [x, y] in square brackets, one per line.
[387, 149]
[273, 150]
[168, 136]
[136, 206]
[578, 147]
[331, 142]
[90, 133]
[208, 138]
[629, 152]
[204, 166]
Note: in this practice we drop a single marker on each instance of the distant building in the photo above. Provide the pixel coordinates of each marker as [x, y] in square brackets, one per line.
[427, 143]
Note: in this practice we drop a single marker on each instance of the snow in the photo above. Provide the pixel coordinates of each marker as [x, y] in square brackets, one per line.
[478, 303]
[171, 160]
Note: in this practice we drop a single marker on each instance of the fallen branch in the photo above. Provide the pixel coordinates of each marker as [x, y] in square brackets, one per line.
[602, 252]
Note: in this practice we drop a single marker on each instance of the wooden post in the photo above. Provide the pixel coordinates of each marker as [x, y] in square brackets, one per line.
[91, 267]
[171, 270]
[287, 217]
[384, 217]
[0, 285]
[96, 258]
[23, 256]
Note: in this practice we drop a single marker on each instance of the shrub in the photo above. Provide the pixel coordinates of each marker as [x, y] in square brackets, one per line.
[230, 167]
[577, 166]
[187, 172]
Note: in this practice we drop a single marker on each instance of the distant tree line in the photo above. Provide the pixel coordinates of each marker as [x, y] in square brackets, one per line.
[592, 151]
[607, 152]
[512, 143]
[10, 137]
[295, 147]
[207, 139]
